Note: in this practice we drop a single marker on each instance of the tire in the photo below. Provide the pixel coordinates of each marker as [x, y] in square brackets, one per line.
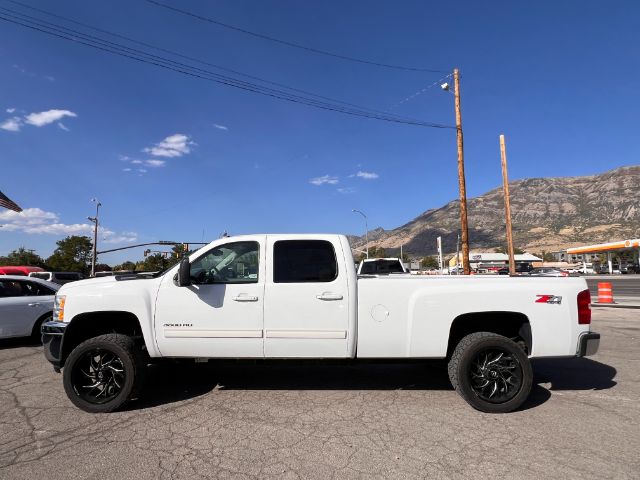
[36, 333]
[103, 373]
[491, 372]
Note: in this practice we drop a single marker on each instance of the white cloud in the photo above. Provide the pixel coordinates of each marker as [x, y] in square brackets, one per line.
[136, 162]
[38, 221]
[142, 170]
[324, 179]
[109, 236]
[12, 124]
[173, 146]
[346, 190]
[155, 163]
[10, 110]
[367, 175]
[126, 169]
[41, 119]
[63, 127]
[220, 127]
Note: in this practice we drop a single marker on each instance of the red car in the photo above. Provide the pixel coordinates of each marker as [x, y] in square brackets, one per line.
[11, 270]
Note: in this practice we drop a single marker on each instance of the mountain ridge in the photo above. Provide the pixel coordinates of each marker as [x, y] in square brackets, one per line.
[548, 213]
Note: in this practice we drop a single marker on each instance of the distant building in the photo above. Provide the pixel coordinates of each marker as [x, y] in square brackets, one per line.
[492, 260]
[563, 256]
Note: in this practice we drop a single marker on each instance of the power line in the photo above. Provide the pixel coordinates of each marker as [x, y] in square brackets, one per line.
[144, 57]
[289, 44]
[186, 57]
[421, 91]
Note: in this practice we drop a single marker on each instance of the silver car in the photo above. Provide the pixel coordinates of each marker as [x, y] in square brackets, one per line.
[548, 272]
[25, 303]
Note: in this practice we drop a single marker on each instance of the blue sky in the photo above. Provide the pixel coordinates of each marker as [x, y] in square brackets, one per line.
[176, 158]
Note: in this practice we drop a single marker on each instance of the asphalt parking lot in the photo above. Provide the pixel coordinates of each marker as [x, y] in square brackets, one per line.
[330, 421]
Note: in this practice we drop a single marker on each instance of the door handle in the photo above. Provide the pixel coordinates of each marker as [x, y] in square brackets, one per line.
[34, 304]
[245, 298]
[329, 296]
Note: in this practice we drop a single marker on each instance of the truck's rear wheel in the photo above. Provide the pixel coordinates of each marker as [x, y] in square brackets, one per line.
[491, 372]
[102, 373]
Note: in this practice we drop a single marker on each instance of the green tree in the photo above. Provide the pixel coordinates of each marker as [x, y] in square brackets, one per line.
[154, 263]
[374, 252]
[429, 262]
[73, 254]
[103, 267]
[24, 257]
[128, 265]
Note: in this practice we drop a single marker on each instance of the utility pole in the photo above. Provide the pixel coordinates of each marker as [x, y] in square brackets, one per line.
[95, 236]
[464, 224]
[507, 205]
[458, 255]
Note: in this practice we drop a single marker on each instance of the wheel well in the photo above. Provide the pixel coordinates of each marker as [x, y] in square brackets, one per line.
[35, 330]
[513, 325]
[88, 325]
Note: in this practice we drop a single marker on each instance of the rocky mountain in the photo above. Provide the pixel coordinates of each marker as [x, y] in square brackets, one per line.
[547, 214]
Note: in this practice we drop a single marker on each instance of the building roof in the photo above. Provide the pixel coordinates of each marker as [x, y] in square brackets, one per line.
[497, 257]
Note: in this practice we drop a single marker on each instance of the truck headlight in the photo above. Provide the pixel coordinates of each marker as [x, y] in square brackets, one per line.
[58, 308]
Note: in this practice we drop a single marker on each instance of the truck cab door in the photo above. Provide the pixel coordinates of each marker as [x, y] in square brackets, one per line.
[221, 313]
[306, 299]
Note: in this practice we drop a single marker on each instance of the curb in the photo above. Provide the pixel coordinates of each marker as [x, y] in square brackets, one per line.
[615, 305]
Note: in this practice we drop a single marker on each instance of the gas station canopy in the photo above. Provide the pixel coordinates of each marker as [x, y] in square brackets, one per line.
[606, 247]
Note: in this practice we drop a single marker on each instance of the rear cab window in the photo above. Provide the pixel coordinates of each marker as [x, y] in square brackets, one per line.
[304, 261]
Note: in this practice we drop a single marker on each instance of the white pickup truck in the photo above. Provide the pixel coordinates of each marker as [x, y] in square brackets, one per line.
[298, 296]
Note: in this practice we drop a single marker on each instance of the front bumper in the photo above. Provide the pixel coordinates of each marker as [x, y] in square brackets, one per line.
[588, 344]
[52, 334]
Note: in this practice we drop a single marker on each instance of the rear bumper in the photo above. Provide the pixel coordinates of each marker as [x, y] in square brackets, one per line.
[52, 333]
[588, 344]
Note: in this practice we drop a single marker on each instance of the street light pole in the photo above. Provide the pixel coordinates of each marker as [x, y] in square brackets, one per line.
[95, 236]
[366, 229]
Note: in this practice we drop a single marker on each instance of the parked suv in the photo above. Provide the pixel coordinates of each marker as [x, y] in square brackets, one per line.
[58, 277]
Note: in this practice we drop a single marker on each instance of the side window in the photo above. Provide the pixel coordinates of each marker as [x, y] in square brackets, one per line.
[11, 288]
[229, 263]
[32, 288]
[300, 261]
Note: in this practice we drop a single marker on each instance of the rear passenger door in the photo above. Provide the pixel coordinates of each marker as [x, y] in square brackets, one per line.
[306, 310]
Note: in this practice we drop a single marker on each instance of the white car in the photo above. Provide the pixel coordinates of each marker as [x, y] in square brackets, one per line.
[25, 303]
[57, 277]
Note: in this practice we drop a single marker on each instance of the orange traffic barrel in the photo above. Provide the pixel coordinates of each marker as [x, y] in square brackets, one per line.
[605, 292]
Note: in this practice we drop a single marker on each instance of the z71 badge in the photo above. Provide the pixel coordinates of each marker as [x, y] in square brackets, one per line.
[552, 299]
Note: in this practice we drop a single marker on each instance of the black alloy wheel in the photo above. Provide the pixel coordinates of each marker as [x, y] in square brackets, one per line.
[98, 376]
[495, 375]
[491, 372]
[104, 372]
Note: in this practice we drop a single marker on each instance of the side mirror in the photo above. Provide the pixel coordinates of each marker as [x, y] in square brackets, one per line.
[184, 273]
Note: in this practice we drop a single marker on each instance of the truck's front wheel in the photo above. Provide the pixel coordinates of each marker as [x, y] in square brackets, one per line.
[102, 373]
[491, 372]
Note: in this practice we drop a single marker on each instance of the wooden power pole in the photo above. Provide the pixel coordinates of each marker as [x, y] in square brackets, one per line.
[464, 224]
[507, 205]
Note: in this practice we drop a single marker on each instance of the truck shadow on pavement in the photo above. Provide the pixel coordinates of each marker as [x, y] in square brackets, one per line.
[574, 374]
[169, 383]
